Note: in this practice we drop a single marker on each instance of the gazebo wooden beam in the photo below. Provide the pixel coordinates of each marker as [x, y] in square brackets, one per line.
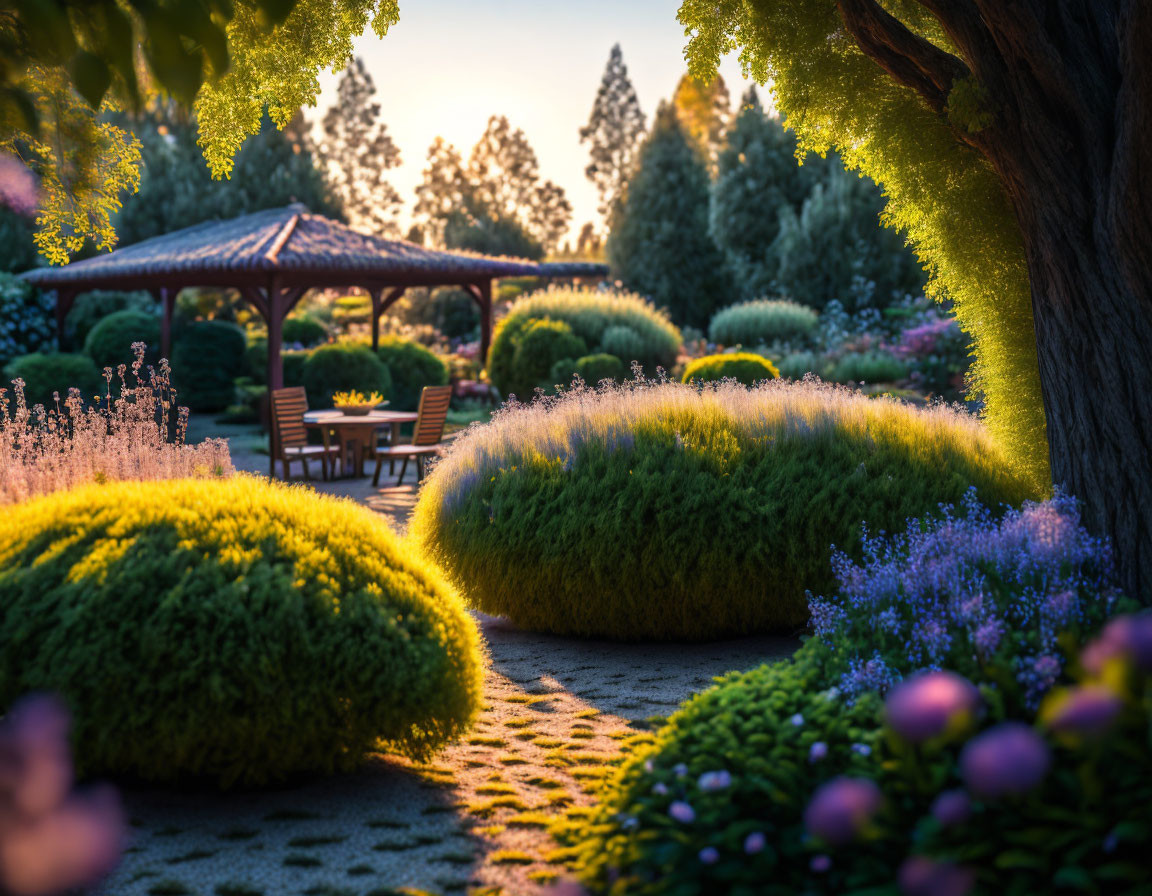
[380, 304]
[481, 292]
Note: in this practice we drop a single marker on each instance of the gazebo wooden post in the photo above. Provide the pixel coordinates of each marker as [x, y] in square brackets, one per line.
[166, 296]
[485, 289]
[64, 300]
[275, 320]
[379, 306]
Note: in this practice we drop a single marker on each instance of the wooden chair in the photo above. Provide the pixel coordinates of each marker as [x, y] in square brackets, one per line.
[290, 437]
[429, 430]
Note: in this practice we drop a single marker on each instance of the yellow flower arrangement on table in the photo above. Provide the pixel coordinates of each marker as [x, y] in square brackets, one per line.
[356, 403]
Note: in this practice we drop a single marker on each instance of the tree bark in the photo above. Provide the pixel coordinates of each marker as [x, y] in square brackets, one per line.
[1070, 89]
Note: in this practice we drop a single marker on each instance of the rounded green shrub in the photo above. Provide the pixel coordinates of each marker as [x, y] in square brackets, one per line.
[207, 359]
[868, 367]
[230, 629]
[412, 367]
[92, 307]
[45, 374]
[109, 342]
[541, 344]
[744, 757]
[743, 367]
[256, 363]
[342, 367]
[591, 369]
[616, 323]
[762, 322]
[685, 512]
[304, 330]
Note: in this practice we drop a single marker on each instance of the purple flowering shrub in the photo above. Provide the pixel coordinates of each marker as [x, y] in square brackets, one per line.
[938, 354]
[1001, 600]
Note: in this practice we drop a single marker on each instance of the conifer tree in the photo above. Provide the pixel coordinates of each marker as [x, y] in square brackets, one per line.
[357, 152]
[613, 132]
[659, 244]
[704, 108]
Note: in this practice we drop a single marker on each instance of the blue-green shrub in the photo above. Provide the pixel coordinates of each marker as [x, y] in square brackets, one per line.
[304, 330]
[27, 322]
[761, 323]
[90, 308]
[540, 345]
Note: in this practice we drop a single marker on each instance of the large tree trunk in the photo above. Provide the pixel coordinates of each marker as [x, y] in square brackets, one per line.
[1069, 88]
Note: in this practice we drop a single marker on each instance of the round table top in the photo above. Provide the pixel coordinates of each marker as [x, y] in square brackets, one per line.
[336, 417]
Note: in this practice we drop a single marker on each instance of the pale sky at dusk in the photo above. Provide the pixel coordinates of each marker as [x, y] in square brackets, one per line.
[450, 64]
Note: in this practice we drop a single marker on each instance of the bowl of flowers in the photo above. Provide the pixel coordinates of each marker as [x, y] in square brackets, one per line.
[357, 404]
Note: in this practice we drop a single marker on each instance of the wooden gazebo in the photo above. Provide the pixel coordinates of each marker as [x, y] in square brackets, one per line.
[274, 256]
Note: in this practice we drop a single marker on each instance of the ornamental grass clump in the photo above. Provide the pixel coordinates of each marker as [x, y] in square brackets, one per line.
[135, 431]
[666, 510]
[231, 630]
[999, 600]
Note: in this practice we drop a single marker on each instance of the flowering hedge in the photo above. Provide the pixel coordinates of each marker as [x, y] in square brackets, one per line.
[781, 781]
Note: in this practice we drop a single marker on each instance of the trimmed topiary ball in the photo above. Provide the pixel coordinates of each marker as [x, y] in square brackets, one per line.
[591, 369]
[206, 360]
[343, 367]
[109, 342]
[541, 345]
[412, 367]
[615, 323]
[45, 374]
[762, 322]
[232, 629]
[671, 511]
[304, 330]
[743, 367]
[92, 307]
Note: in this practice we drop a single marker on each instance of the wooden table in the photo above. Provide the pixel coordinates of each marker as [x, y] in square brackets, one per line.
[357, 432]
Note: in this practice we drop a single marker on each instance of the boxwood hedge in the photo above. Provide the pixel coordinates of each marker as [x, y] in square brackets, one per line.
[615, 323]
[744, 367]
[44, 375]
[340, 367]
[687, 512]
[230, 629]
[412, 367]
[761, 322]
[109, 342]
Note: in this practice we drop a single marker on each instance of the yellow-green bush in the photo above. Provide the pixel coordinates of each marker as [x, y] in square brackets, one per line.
[235, 630]
[615, 323]
[687, 511]
[744, 367]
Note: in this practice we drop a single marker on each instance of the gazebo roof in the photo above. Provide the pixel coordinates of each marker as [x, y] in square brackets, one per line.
[295, 247]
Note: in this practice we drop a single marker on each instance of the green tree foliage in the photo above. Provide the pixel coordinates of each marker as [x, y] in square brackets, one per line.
[940, 192]
[65, 63]
[703, 107]
[835, 248]
[496, 200]
[17, 241]
[358, 152]
[273, 169]
[613, 133]
[660, 245]
[757, 177]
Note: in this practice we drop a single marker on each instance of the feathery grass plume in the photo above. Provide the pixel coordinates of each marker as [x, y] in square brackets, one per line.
[232, 629]
[664, 510]
[129, 434]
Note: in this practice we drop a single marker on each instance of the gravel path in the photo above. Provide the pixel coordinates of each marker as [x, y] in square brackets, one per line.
[557, 713]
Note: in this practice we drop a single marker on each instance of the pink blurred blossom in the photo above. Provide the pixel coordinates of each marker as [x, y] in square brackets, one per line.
[1087, 710]
[922, 876]
[928, 704]
[1125, 637]
[841, 809]
[1008, 759]
[18, 187]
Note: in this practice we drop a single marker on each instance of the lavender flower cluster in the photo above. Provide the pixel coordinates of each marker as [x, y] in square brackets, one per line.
[969, 592]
